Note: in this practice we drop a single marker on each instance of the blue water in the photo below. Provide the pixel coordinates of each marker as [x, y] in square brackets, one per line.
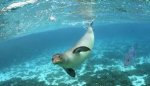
[29, 39]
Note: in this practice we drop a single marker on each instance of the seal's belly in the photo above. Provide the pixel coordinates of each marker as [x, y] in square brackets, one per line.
[77, 59]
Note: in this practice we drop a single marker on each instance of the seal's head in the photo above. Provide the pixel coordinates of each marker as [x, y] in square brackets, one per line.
[57, 58]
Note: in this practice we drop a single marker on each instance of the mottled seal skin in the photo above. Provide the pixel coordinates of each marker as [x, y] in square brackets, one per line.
[76, 55]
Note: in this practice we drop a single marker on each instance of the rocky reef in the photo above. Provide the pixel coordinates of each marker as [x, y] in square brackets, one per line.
[21, 82]
[107, 78]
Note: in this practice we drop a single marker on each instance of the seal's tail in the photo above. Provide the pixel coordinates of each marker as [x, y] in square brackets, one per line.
[90, 26]
[91, 23]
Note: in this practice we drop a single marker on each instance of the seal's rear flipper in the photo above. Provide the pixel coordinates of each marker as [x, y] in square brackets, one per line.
[81, 49]
[91, 23]
[70, 72]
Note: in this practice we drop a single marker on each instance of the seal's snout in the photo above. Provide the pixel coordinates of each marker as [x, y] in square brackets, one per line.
[56, 58]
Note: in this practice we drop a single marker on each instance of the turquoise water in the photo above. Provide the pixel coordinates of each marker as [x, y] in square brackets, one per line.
[29, 37]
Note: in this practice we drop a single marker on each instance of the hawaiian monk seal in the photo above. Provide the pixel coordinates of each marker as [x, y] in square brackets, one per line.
[76, 55]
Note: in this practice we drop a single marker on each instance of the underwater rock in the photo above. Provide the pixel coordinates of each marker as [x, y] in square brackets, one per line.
[21, 82]
[141, 69]
[107, 78]
[144, 68]
[147, 81]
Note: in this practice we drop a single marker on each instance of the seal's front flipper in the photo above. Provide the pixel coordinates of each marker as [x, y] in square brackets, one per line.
[70, 71]
[81, 49]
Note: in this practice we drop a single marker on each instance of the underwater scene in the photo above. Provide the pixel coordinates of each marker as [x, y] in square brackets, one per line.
[74, 42]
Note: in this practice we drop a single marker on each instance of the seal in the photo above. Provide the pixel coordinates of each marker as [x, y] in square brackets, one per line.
[76, 55]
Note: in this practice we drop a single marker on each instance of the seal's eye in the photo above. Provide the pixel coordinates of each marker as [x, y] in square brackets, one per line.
[59, 56]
